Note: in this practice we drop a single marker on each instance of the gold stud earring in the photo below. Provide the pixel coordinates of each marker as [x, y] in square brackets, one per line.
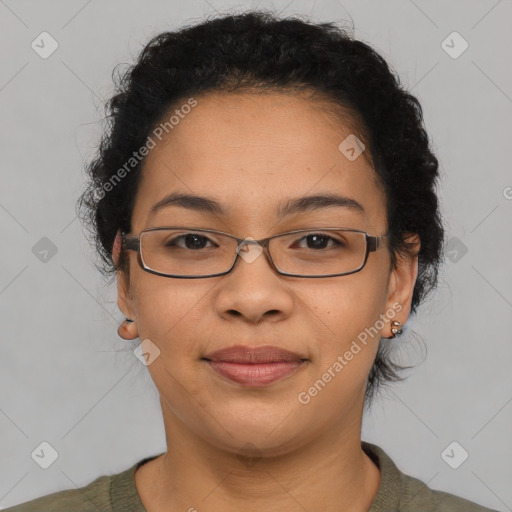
[395, 329]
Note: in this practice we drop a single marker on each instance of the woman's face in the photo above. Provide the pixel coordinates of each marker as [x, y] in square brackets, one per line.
[250, 153]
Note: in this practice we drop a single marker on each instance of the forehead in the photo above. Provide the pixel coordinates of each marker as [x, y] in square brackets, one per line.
[252, 151]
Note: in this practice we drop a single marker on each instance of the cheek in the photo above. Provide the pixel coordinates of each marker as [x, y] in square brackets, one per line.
[168, 308]
[350, 303]
[168, 314]
[347, 313]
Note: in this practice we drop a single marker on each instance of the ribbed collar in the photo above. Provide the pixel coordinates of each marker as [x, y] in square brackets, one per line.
[123, 491]
[125, 498]
[387, 498]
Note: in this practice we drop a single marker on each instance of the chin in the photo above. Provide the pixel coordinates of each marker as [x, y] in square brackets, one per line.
[253, 435]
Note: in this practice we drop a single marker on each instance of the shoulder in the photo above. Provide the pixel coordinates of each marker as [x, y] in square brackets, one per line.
[416, 496]
[399, 491]
[107, 493]
[90, 498]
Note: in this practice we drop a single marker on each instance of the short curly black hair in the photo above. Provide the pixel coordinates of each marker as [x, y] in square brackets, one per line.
[259, 51]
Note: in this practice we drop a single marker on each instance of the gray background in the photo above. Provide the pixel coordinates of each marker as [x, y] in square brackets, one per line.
[67, 379]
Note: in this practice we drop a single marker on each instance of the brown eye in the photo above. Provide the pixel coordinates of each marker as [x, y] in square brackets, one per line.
[317, 241]
[191, 241]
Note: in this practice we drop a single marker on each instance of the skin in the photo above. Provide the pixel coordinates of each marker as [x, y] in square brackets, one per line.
[250, 151]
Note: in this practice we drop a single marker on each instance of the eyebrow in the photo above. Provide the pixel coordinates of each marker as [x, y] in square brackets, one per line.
[287, 207]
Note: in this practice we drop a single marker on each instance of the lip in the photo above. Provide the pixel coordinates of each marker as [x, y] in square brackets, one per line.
[254, 366]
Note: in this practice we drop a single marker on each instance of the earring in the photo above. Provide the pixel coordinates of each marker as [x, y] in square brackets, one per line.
[395, 329]
[128, 329]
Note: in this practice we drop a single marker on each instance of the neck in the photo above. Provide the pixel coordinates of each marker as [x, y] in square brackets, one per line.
[331, 473]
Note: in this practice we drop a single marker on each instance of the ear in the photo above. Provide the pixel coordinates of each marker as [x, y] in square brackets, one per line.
[127, 330]
[403, 279]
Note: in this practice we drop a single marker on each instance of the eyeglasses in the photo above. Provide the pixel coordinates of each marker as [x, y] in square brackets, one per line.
[183, 252]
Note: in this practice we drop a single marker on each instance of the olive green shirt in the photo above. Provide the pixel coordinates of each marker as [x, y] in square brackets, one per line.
[117, 493]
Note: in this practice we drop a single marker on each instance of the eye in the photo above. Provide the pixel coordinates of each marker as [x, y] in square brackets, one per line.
[191, 241]
[319, 241]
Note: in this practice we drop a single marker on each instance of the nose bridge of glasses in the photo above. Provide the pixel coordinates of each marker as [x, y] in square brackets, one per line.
[243, 246]
[250, 249]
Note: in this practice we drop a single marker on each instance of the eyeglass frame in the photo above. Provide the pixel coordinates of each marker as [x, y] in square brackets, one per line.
[132, 243]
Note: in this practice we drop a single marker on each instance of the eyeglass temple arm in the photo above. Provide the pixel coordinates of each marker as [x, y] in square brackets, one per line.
[130, 243]
[374, 242]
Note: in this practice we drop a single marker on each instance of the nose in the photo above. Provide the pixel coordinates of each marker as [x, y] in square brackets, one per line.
[254, 290]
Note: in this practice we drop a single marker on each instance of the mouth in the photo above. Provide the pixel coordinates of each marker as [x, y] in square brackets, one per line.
[254, 366]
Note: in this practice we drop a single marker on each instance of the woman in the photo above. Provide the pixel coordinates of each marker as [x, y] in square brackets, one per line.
[265, 194]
